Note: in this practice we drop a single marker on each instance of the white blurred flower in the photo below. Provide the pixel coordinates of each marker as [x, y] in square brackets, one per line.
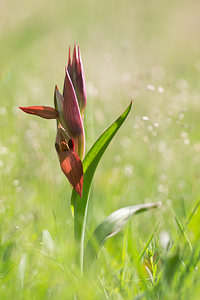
[184, 135]
[4, 150]
[160, 90]
[186, 142]
[15, 182]
[164, 240]
[151, 87]
[145, 118]
[128, 170]
[156, 124]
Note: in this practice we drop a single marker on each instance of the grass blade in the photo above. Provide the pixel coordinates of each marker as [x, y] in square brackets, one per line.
[148, 242]
[111, 226]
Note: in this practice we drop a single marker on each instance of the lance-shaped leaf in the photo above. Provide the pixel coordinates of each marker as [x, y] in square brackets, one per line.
[111, 226]
[75, 69]
[72, 117]
[70, 162]
[45, 112]
[90, 163]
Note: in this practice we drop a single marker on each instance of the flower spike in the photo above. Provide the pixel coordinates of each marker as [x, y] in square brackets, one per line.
[68, 112]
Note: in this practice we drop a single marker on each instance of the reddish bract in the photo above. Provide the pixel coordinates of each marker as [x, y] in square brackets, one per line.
[76, 73]
[71, 166]
[72, 117]
[45, 112]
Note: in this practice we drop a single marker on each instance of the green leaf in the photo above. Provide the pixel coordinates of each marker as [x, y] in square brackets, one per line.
[79, 206]
[111, 226]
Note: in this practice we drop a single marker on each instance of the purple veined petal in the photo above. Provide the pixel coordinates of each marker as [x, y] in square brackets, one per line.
[69, 68]
[72, 117]
[72, 67]
[62, 136]
[76, 73]
[75, 59]
[59, 102]
[45, 112]
[69, 59]
[70, 162]
[71, 166]
[81, 84]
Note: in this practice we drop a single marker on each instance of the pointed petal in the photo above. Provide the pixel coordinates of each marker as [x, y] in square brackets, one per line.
[82, 98]
[69, 68]
[75, 58]
[71, 166]
[72, 116]
[69, 58]
[61, 137]
[78, 80]
[45, 112]
[59, 102]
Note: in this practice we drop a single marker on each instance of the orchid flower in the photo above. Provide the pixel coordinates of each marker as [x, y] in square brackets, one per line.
[69, 111]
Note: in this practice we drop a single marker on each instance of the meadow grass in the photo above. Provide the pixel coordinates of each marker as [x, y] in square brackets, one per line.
[145, 51]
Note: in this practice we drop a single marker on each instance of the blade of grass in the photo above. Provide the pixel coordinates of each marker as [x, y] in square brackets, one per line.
[111, 226]
[183, 232]
[148, 242]
[191, 214]
[183, 228]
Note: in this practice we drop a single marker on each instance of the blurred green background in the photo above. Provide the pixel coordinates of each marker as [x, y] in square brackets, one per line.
[147, 51]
